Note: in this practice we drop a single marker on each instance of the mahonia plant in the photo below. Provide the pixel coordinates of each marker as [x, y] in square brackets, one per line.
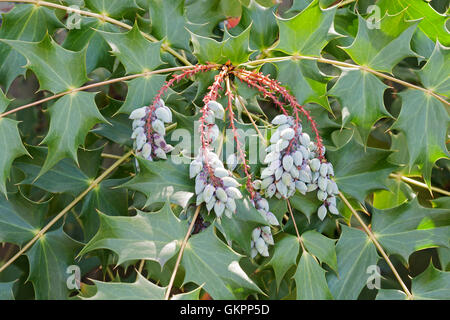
[224, 149]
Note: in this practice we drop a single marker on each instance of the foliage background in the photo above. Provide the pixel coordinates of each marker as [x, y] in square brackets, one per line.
[67, 187]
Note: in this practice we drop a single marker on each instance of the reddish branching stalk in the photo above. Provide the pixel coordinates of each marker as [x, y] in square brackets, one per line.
[278, 88]
[240, 151]
[210, 96]
[175, 79]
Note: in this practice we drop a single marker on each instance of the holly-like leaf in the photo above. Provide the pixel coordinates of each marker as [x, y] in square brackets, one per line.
[236, 48]
[160, 180]
[308, 32]
[432, 284]
[49, 258]
[112, 8]
[359, 170]
[136, 53]
[321, 247]
[360, 95]
[72, 116]
[191, 295]
[4, 101]
[56, 68]
[382, 47]
[6, 290]
[424, 120]
[141, 289]
[24, 22]
[432, 23]
[12, 148]
[310, 280]
[304, 79]
[411, 227]
[144, 236]
[284, 256]
[141, 92]
[169, 22]
[355, 252]
[20, 219]
[398, 192]
[435, 75]
[207, 49]
[208, 261]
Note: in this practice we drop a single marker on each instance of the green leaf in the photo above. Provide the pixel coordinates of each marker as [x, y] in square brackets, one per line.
[424, 121]
[310, 280]
[264, 31]
[432, 284]
[411, 227]
[207, 260]
[321, 247]
[56, 68]
[160, 180]
[307, 204]
[355, 252]
[360, 95]
[4, 101]
[141, 289]
[20, 219]
[236, 48]
[284, 256]
[136, 53]
[191, 295]
[169, 22]
[398, 192]
[141, 92]
[6, 290]
[144, 236]
[305, 81]
[308, 32]
[112, 8]
[435, 75]
[382, 48]
[12, 148]
[207, 49]
[49, 258]
[25, 22]
[88, 35]
[390, 294]
[432, 23]
[64, 177]
[72, 116]
[360, 170]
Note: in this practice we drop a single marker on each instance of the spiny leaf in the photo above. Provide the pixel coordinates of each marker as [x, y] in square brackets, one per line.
[25, 22]
[411, 227]
[72, 116]
[191, 295]
[144, 236]
[209, 261]
[284, 256]
[56, 68]
[160, 180]
[207, 49]
[435, 75]
[310, 280]
[355, 252]
[112, 8]
[141, 289]
[169, 22]
[305, 81]
[206, 13]
[321, 247]
[11, 148]
[49, 258]
[4, 101]
[360, 170]
[141, 92]
[308, 32]
[382, 48]
[136, 53]
[432, 284]
[398, 192]
[424, 121]
[432, 23]
[361, 97]
[20, 218]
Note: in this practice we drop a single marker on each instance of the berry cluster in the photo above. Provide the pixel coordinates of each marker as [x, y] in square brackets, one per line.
[149, 131]
[294, 164]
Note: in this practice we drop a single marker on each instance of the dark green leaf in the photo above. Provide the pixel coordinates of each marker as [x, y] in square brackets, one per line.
[321, 247]
[284, 256]
[432, 284]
